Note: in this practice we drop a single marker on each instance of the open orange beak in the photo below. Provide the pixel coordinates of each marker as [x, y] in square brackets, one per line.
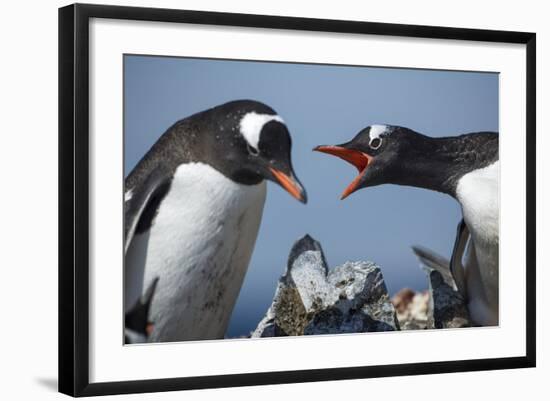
[359, 159]
[290, 184]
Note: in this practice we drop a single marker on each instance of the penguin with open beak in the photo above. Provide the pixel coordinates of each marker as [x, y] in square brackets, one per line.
[193, 207]
[465, 167]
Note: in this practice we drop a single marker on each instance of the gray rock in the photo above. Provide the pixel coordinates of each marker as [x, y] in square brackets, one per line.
[447, 307]
[352, 298]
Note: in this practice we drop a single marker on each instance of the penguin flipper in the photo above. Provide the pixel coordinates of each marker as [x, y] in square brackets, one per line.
[456, 265]
[433, 261]
[137, 318]
[141, 206]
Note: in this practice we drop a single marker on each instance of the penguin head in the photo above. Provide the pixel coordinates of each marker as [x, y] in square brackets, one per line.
[379, 152]
[253, 143]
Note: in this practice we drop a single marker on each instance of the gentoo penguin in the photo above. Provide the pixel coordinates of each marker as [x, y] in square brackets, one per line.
[465, 167]
[193, 206]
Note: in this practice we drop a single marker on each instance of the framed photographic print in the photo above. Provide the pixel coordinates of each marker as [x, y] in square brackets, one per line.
[251, 199]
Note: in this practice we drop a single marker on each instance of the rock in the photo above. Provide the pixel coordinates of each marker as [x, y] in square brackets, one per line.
[447, 307]
[412, 309]
[352, 298]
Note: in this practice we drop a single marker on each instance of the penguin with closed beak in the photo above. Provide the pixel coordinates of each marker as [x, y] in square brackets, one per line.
[193, 207]
[465, 167]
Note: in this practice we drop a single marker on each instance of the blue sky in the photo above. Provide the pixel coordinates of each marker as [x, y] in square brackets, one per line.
[321, 105]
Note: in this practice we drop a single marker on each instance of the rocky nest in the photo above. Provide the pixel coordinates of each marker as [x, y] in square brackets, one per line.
[352, 298]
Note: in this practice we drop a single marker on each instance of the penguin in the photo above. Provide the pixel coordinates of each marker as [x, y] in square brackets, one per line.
[193, 206]
[467, 168]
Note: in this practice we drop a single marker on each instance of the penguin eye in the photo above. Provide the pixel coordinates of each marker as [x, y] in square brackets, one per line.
[252, 151]
[375, 143]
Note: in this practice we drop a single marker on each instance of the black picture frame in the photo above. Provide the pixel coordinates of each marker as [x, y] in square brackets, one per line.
[74, 200]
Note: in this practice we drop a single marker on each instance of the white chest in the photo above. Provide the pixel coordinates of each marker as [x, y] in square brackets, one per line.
[478, 194]
[199, 245]
[202, 207]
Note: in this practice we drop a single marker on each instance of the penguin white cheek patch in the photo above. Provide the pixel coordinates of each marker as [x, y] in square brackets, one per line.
[251, 126]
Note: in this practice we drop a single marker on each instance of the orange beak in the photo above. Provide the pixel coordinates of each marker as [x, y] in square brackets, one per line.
[355, 157]
[291, 185]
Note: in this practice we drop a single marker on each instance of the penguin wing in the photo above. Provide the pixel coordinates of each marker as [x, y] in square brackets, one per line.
[453, 270]
[141, 204]
[456, 265]
[136, 319]
[434, 261]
